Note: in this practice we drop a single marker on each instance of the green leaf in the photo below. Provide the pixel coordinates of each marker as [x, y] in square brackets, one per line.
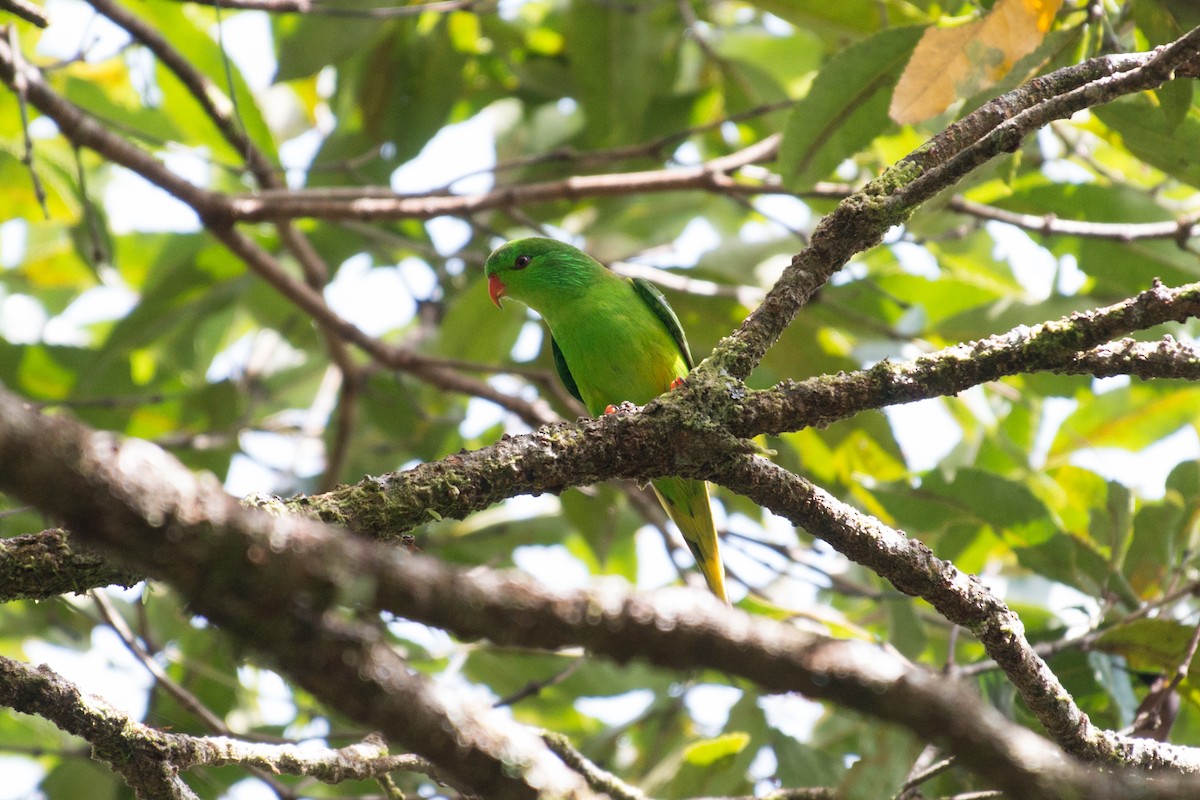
[1131, 418]
[801, 764]
[109, 94]
[846, 107]
[1161, 532]
[1151, 644]
[1158, 534]
[307, 43]
[76, 777]
[1112, 525]
[474, 330]
[1068, 559]
[1183, 484]
[202, 52]
[886, 754]
[709, 751]
[20, 199]
[622, 58]
[905, 630]
[1157, 136]
[838, 21]
[491, 537]
[407, 85]
[606, 525]
[1175, 99]
[786, 59]
[42, 375]
[972, 497]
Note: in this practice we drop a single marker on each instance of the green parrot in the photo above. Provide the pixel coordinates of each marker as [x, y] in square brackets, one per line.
[613, 339]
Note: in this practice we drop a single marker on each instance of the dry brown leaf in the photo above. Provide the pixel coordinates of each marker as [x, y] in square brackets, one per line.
[950, 63]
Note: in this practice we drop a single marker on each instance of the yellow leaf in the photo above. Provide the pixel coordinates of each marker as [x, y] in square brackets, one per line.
[142, 366]
[952, 63]
[707, 752]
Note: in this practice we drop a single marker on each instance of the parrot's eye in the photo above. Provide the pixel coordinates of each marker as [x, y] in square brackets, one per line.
[522, 262]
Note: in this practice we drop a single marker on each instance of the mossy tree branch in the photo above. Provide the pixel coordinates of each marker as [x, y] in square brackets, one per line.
[275, 583]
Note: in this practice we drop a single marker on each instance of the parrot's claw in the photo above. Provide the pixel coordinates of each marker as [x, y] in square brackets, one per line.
[622, 408]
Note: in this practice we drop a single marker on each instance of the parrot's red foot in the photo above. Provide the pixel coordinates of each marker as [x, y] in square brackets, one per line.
[675, 384]
[610, 409]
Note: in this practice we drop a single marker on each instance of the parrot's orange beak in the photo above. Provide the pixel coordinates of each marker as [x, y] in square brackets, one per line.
[495, 288]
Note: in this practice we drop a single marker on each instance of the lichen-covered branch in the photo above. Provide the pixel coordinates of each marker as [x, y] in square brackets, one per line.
[272, 583]
[275, 582]
[44, 565]
[1165, 358]
[150, 760]
[860, 221]
[139, 754]
[1074, 344]
[366, 204]
[555, 458]
[1180, 230]
[387, 506]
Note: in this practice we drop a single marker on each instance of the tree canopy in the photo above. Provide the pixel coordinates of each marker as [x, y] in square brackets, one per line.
[314, 519]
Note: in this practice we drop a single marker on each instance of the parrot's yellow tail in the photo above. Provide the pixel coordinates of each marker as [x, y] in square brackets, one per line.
[687, 504]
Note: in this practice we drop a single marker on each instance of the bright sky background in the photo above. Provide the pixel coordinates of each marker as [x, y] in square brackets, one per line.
[382, 299]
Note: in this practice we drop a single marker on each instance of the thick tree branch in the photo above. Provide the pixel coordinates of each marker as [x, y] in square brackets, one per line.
[150, 759]
[1074, 344]
[366, 205]
[356, 762]
[130, 494]
[671, 629]
[44, 565]
[274, 583]
[139, 754]
[553, 459]
[1166, 358]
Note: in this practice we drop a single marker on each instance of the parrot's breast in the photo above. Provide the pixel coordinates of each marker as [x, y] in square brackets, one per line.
[616, 349]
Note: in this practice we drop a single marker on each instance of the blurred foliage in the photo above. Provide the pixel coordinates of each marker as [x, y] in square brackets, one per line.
[1077, 499]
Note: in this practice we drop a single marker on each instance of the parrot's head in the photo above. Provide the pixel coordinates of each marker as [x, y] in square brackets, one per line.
[537, 271]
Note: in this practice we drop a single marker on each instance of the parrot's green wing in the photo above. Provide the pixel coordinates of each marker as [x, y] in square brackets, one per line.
[654, 299]
[564, 373]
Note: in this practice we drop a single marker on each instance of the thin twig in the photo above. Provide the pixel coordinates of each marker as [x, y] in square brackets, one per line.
[366, 204]
[99, 256]
[1051, 225]
[652, 148]
[534, 688]
[381, 12]
[21, 87]
[26, 11]
[181, 695]
[600, 780]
